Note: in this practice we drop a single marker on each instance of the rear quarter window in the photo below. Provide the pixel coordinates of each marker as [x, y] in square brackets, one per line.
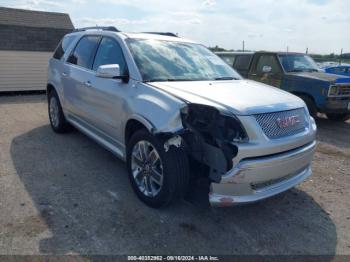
[63, 46]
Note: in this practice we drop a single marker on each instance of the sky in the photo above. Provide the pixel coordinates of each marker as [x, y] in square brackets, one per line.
[322, 26]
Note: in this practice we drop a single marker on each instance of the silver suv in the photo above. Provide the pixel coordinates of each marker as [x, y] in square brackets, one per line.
[174, 112]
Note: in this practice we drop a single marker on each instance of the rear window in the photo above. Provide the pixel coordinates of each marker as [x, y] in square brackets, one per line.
[229, 59]
[242, 62]
[62, 46]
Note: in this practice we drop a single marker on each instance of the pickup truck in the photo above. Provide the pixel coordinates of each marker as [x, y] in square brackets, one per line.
[296, 73]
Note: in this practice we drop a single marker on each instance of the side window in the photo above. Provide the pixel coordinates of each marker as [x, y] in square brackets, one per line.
[267, 60]
[109, 52]
[62, 46]
[84, 52]
[242, 62]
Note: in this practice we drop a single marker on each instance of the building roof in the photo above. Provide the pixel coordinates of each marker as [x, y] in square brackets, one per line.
[21, 17]
[25, 30]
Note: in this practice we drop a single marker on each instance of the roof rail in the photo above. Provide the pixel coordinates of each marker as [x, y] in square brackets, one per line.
[162, 33]
[104, 28]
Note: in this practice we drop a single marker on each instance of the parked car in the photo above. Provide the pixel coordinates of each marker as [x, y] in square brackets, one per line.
[298, 73]
[338, 70]
[174, 111]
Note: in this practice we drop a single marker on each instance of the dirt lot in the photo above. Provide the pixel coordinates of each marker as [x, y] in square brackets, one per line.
[64, 194]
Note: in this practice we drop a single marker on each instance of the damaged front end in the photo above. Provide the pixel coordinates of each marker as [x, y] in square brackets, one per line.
[241, 171]
[209, 138]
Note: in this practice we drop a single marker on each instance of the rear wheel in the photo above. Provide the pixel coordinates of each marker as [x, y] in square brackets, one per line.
[338, 117]
[58, 122]
[157, 177]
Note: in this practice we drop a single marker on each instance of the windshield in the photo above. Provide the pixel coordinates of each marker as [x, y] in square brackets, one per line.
[178, 61]
[298, 63]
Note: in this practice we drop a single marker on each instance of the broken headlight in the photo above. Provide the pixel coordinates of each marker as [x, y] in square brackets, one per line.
[212, 124]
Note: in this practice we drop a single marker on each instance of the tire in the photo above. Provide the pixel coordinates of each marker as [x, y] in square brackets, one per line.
[310, 105]
[58, 122]
[338, 117]
[173, 165]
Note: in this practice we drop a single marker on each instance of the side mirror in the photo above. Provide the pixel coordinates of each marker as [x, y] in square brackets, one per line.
[109, 71]
[72, 59]
[267, 69]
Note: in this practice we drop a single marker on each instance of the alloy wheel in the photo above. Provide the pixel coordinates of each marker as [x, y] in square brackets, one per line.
[147, 168]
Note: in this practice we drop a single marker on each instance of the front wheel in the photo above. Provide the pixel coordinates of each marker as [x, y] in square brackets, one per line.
[157, 177]
[310, 105]
[338, 117]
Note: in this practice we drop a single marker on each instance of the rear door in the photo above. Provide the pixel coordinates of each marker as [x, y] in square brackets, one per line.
[266, 69]
[77, 78]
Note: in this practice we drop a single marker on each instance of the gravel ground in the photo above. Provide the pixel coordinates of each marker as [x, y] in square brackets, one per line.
[64, 194]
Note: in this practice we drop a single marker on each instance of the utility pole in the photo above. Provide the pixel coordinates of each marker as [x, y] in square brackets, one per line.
[287, 49]
[341, 54]
[307, 50]
[243, 45]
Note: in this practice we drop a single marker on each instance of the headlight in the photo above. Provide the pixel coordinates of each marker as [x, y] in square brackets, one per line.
[333, 91]
[212, 124]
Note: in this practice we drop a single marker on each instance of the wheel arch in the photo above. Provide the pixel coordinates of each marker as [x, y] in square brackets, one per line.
[134, 123]
[299, 94]
[49, 88]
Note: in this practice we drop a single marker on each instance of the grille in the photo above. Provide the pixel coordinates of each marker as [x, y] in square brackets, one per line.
[344, 91]
[271, 127]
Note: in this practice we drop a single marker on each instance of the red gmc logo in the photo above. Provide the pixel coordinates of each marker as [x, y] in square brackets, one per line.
[288, 121]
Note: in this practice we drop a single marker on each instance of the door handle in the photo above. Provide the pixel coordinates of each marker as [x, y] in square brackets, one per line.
[64, 74]
[87, 83]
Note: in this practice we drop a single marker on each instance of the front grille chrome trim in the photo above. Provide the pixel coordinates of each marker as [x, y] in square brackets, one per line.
[269, 123]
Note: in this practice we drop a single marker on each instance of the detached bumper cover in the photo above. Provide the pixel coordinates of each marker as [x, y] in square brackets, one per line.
[254, 179]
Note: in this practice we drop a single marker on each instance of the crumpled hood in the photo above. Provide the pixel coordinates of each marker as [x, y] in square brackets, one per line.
[321, 76]
[241, 97]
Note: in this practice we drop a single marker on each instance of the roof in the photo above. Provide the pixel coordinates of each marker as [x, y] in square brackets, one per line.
[25, 30]
[21, 17]
[280, 52]
[234, 53]
[153, 36]
[338, 66]
[111, 30]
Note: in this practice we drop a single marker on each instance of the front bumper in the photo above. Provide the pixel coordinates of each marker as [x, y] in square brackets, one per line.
[259, 178]
[337, 105]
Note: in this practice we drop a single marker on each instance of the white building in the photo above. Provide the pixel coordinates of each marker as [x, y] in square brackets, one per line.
[27, 41]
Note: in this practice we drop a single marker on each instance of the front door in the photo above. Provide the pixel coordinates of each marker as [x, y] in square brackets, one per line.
[106, 96]
[267, 69]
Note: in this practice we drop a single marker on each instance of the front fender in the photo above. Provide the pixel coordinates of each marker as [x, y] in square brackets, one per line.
[317, 89]
[155, 109]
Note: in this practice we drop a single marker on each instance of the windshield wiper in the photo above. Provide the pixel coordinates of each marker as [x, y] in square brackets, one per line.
[170, 79]
[304, 70]
[296, 70]
[226, 78]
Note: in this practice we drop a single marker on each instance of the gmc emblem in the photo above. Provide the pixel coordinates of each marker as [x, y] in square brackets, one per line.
[288, 121]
